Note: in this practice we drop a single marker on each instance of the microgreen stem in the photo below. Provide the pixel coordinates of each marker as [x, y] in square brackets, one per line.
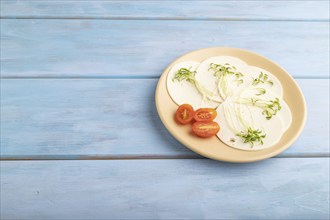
[262, 78]
[221, 72]
[270, 107]
[251, 136]
[189, 76]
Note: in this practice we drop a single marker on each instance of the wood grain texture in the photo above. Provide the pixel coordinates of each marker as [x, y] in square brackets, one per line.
[293, 188]
[101, 48]
[203, 10]
[74, 119]
[116, 118]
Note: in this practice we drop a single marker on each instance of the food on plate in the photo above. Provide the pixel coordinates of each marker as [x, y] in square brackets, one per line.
[184, 114]
[205, 129]
[205, 114]
[246, 101]
[183, 87]
[203, 125]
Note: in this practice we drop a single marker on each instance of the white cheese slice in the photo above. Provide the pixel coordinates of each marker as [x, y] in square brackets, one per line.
[283, 114]
[253, 73]
[231, 125]
[205, 75]
[185, 92]
[233, 115]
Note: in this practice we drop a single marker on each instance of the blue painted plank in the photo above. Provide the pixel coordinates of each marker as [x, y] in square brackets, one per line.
[72, 119]
[281, 188]
[107, 48]
[215, 10]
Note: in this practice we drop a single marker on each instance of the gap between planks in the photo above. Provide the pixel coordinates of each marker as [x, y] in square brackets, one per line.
[119, 18]
[133, 157]
[122, 77]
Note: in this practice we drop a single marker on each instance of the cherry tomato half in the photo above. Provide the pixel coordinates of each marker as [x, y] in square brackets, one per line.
[205, 114]
[205, 129]
[184, 114]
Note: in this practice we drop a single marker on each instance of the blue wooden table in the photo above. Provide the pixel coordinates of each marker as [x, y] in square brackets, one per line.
[80, 135]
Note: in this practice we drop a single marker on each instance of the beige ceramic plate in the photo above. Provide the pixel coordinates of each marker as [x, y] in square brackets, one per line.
[213, 148]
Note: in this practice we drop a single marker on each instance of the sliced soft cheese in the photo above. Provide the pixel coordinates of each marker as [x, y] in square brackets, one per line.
[232, 125]
[234, 115]
[205, 75]
[185, 92]
[283, 114]
[253, 73]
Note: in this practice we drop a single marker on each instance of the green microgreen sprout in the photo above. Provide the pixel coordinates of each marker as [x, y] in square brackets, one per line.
[185, 74]
[221, 72]
[262, 78]
[260, 91]
[251, 136]
[270, 107]
[239, 77]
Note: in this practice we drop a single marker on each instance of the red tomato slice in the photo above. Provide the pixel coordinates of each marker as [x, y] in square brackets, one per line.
[205, 129]
[184, 114]
[205, 114]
